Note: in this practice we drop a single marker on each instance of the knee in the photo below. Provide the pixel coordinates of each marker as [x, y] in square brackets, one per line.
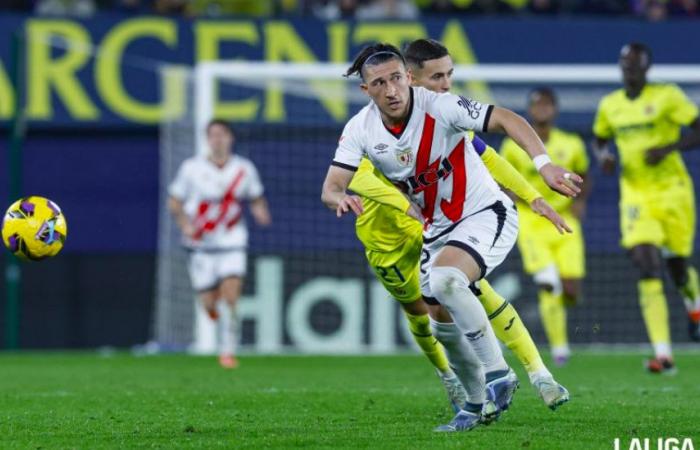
[445, 281]
[648, 261]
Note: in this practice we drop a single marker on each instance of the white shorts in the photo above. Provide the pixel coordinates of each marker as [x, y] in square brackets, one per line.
[208, 268]
[488, 236]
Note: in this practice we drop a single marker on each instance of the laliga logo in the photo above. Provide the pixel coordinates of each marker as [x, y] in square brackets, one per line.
[660, 444]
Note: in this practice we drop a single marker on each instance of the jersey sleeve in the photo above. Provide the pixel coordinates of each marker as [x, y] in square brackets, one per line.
[371, 184]
[601, 125]
[580, 156]
[254, 188]
[180, 186]
[509, 151]
[681, 109]
[507, 176]
[350, 150]
[463, 114]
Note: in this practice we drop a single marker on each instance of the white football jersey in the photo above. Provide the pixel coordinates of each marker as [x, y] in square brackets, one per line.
[212, 199]
[439, 167]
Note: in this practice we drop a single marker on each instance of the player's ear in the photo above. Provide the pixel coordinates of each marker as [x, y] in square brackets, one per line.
[364, 87]
[409, 76]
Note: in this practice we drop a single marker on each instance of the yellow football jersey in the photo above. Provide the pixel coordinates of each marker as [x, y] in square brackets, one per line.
[565, 149]
[653, 119]
[384, 225]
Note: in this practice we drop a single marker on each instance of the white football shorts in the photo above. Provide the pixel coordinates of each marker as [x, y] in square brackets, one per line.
[488, 236]
[208, 268]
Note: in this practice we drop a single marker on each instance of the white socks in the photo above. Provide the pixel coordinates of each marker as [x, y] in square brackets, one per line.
[462, 360]
[451, 287]
[204, 332]
[227, 328]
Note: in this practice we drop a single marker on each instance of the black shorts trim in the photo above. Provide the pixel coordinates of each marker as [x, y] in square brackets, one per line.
[447, 230]
[501, 213]
[344, 166]
[431, 300]
[477, 257]
[499, 310]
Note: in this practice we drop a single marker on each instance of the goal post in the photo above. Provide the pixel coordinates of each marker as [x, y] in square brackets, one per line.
[308, 286]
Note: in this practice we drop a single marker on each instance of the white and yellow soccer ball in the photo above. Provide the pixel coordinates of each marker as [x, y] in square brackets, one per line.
[34, 228]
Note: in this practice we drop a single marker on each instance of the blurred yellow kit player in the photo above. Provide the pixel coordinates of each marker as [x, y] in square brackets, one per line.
[657, 205]
[555, 261]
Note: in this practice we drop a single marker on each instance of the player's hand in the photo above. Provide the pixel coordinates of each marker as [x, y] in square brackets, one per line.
[561, 180]
[656, 155]
[541, 207]
[607, 163]
[349, 203]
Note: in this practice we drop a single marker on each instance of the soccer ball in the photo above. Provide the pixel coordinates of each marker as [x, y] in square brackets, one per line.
[34, 228]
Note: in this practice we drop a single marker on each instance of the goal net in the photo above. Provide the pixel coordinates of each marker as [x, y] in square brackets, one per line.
[308, 286]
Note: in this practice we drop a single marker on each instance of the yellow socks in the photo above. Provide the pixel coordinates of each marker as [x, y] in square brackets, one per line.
[510, 329]
[655, 312]
[553, 315]
[420, 328]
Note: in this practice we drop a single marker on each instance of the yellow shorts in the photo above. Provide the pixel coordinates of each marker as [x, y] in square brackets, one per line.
[541, 245]
[399, 271]
[665, 219]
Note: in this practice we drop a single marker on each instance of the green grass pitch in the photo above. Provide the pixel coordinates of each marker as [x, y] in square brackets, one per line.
[80, 400]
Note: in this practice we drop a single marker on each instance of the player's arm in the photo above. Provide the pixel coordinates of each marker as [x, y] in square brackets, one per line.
[334, 195]
[680, 110]
[255, 193]
[581, 163]
[503, 120]
[347, 159]
[686, 142]
[178, 191]
[506, 175]
[260, 211]
[177, 209]
[601, 150]
[603, 133]
[370, 184]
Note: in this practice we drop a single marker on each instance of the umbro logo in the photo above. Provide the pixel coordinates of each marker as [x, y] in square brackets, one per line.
[473, 240]
[476, 335]
[380, 147]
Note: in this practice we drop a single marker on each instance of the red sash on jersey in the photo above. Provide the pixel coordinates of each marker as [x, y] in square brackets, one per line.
[203, 226]
[427, 176]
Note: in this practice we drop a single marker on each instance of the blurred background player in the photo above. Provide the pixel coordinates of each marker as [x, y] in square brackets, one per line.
[555, 261]
[431, 67]
[657, 205]
[206, 199]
